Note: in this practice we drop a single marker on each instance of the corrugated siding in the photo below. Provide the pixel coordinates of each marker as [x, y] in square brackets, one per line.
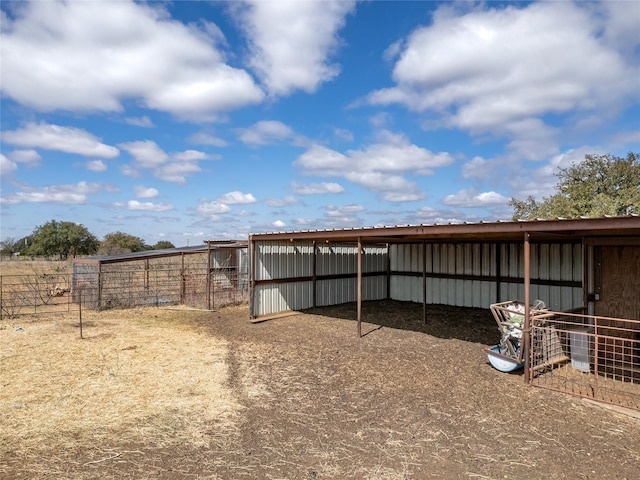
[548, 262]
[276, 260]
[282, 297]
[286, 260]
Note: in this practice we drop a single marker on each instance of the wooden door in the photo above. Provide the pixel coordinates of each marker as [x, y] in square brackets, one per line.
[617, 284]
[618, 281]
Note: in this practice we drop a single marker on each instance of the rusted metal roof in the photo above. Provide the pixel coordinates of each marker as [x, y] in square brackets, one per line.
[169, 252]
[564, 230]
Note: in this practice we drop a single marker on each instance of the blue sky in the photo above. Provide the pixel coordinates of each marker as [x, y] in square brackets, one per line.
[187, 121]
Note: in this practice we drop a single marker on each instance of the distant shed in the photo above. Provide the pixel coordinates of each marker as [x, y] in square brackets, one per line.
[200, 276]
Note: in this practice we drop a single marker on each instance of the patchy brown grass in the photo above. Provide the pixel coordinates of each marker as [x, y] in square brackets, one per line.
[147, 376]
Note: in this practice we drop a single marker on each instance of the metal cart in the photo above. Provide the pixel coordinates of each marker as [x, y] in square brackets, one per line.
[508, 355]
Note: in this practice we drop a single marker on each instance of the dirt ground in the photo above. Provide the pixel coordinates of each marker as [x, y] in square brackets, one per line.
[302, 397]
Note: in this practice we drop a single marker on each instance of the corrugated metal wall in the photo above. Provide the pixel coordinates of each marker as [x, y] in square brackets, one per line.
[287, 261]
[549, 262]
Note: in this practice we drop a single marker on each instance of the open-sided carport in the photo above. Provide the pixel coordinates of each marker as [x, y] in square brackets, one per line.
[568, 263]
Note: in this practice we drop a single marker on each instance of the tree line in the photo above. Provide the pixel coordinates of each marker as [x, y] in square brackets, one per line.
[599, 185]
[64, 239]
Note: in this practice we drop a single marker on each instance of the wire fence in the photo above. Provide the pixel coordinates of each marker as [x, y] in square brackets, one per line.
[121, 287]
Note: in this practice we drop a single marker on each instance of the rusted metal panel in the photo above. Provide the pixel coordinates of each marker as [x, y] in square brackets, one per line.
[592, 356]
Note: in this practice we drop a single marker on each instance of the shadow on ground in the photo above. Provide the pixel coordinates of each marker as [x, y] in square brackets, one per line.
[442, 321]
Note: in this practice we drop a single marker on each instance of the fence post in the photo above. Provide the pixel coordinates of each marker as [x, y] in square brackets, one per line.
[99, 306]
[208, 275]
[80, 311]
[596, 342]
[182, 280]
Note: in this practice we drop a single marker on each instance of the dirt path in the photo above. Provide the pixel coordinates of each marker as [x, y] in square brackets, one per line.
[399, 403]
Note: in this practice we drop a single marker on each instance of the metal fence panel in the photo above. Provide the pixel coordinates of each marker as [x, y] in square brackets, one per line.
[121, 285]
[585, 355]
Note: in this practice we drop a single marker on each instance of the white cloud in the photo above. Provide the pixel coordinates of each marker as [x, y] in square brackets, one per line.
[129, 171]
[94, 55]
[53, 137]
[622, 23]
[191, 155]
[278, 224]
[202, 138]
[177, 172]
[524, 179]
[96, 166]
[470, 198]
[379, 120]
[146, 153]
[343, 134]
[346, 215]
[171, 168]
[379, 167]
[143, 121]
[624, 138]
[290, 42]
[148, 206]
[144, 192]
[28, 157]
[212, 208]
[477, 168]
[541, 181]
[281, 202]
[316, 188]
[64, 194]
[484, 69]
[266, 132]
[337, 211]
[7, 166]
[236, 198]
[427, 214]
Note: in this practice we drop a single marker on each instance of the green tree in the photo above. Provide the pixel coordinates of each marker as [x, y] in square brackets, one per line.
[7, 246]
[120, 242]
[62, 238]
[600, 185]
[163, 244]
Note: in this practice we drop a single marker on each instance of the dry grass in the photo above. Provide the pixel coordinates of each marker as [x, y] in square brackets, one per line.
[26, 266]
[143, 375]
